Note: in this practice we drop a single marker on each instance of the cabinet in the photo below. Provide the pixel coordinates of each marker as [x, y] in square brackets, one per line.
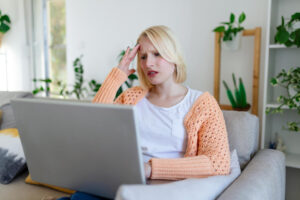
[279, 57]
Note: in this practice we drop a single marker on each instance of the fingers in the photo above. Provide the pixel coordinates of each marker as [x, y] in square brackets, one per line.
[128, 58]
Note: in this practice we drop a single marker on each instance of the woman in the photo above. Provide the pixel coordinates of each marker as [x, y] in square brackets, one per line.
[182, 131]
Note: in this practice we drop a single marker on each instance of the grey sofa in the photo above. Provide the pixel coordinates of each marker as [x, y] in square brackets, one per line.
[262, 177]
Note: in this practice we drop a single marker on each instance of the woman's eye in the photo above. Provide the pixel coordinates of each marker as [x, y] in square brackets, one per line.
[143, 57]
[157, 54]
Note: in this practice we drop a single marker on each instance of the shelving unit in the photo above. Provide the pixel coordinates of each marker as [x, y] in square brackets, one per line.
[280, 57]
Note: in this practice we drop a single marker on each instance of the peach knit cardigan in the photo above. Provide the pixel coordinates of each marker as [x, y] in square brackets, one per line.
[207, 151]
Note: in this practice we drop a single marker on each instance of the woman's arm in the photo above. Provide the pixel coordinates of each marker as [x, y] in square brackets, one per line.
[110, 86]
[116, 78]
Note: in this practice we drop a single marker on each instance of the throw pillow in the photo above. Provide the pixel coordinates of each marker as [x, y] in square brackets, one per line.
[12, 159]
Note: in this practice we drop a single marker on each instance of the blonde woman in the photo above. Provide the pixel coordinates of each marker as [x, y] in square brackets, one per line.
[182, 130]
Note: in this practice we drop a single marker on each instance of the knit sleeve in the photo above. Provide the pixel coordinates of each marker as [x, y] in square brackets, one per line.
[207, 152]
[110, 86]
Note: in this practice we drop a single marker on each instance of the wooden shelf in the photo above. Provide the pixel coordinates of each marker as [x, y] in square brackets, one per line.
[292, 160]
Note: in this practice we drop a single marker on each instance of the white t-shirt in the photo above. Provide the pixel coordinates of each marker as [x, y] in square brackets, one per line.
[162, 133]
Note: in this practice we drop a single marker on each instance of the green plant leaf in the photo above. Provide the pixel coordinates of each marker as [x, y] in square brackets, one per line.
[282, 36]
[5, 18]
[132, 77]
[229, 95]
[296, 16]
[242, 93]
[273, 81]
[232, 18]
[4, 28]
[242, 17]
[219, 29]
[226, 23]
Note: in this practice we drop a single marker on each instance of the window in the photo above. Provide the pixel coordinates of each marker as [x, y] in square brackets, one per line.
[49, 43]
[57, 41]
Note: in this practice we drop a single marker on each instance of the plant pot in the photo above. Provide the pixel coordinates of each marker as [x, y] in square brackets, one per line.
[243, 109]
[1, 36]
[234, 44]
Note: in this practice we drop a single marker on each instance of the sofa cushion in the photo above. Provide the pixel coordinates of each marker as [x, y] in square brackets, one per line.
[243, 132]
[0, 117]
[18, 189]
[8, 119]
[12, 159]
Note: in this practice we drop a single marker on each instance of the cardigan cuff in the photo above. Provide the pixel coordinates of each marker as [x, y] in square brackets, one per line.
[181, 168]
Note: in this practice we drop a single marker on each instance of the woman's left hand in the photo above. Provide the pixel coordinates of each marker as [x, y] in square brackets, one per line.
[148, 169]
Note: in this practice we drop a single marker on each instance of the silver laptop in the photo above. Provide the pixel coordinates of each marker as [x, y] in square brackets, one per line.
[87, 147]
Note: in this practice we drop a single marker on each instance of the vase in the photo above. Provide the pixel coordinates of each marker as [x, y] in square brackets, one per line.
[234, 44]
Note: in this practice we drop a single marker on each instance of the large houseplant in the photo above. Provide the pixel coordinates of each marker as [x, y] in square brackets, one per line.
[232, 31]
[289, 33]
[4, 25]
[290, 80]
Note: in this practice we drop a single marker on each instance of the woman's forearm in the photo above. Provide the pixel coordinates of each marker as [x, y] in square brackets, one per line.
[110, 86]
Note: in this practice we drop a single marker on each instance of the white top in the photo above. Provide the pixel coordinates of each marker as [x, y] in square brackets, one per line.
[162, 133]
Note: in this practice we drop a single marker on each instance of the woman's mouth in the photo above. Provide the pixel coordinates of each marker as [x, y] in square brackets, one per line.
[151, 74]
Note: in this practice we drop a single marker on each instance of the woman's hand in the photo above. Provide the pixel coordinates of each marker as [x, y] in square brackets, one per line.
[148, 169]
[127, 59]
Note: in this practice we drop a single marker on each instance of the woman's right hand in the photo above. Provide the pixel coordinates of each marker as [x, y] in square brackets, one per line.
[127, 59]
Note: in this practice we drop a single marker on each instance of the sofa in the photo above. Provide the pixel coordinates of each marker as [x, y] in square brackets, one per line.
[262, 175]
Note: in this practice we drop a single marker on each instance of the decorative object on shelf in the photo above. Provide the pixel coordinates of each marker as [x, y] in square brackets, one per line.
[4, 25]
[240, 100]
[280, 145]
[289, 33]
[232, 32]
[290, 80]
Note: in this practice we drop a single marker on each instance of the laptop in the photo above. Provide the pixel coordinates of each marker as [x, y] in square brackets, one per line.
[87, 147]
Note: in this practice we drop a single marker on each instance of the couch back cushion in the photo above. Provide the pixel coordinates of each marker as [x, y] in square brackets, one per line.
[243, 134]
[8, 119]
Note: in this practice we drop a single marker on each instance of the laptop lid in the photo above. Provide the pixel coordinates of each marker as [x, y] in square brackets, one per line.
[92, 148]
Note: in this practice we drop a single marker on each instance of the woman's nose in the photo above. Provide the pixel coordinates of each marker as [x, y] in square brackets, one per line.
[150, 61]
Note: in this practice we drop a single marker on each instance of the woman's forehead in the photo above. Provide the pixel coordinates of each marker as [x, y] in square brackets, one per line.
[146, 45]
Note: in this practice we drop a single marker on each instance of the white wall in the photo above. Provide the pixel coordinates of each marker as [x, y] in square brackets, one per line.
[100, 29]
[15, 49]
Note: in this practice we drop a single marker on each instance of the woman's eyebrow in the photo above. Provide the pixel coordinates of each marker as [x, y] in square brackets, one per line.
[151, 51]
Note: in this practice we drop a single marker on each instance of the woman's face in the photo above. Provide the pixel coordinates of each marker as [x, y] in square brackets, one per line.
[155, 67]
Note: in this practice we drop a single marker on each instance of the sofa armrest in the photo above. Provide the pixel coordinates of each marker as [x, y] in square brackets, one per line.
[263, 178]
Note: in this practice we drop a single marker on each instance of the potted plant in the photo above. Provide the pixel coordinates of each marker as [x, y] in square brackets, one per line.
[240, 101]
[289, 33]
[290, 80]
[232, 31]
[4, 25]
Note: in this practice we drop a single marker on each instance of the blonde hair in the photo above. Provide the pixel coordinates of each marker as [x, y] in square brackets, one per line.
[166, 44]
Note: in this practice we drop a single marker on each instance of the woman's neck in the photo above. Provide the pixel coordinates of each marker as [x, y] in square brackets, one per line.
[166, 91]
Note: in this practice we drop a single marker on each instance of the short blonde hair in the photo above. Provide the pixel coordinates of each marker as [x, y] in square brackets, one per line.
[166, 44]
